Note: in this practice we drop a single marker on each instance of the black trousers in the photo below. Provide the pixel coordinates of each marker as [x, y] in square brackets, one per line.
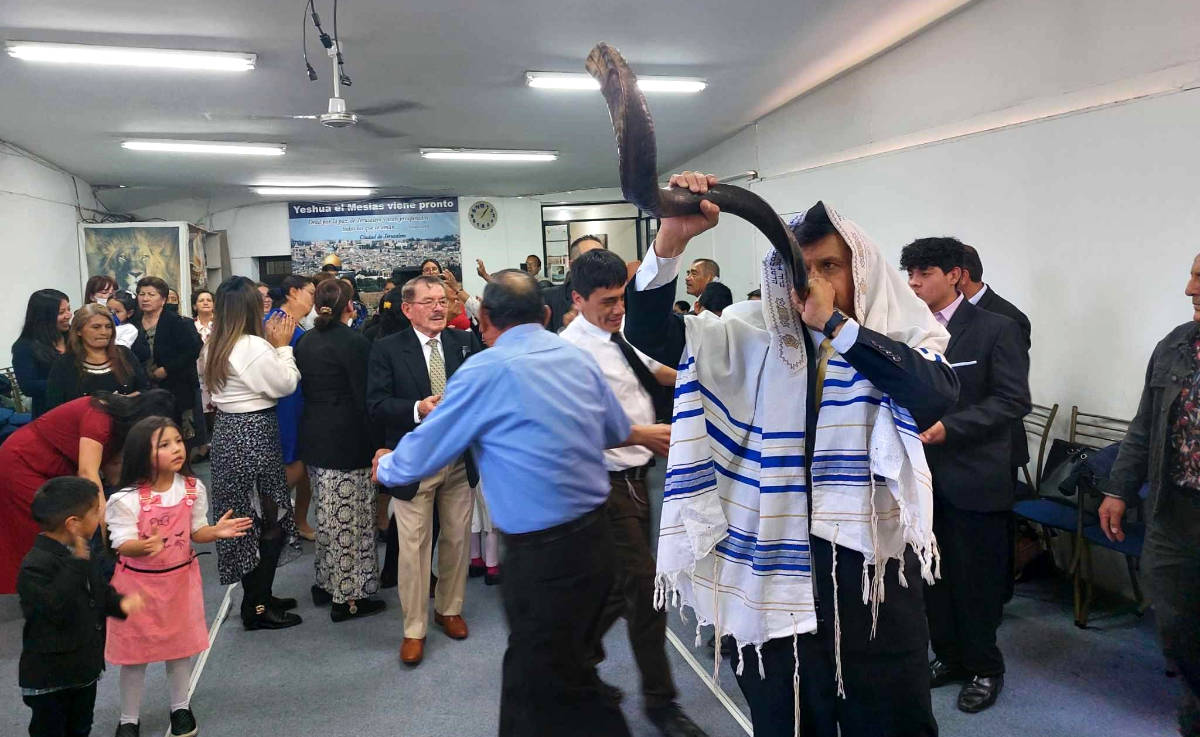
[632, 595]
[66, 713]
[886, 678]
[966, 605]
[1171, 568]
[556, 582]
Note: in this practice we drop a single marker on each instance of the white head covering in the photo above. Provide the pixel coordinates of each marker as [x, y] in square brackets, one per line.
[736, 502]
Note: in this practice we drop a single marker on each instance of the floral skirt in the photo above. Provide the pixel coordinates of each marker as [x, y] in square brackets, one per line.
[347, 563]
[248, 477]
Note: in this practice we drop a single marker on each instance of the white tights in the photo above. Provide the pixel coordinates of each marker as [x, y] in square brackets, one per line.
[133, 685]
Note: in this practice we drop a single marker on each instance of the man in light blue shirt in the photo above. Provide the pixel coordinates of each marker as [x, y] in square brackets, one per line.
[537, 414]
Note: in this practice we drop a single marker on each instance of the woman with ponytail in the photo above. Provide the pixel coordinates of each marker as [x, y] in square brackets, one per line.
[337, 447]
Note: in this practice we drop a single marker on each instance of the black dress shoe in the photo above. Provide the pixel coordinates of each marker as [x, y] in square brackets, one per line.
[283, 605]
[127, 730]
[672, 722]
[271, 619]
[941, 673]
[320, 596]
[183, 723]
[979, 693]
[474, 571]
[360, 608]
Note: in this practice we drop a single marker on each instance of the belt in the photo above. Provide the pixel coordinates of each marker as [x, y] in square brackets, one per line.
[550, 534]
[636, 473]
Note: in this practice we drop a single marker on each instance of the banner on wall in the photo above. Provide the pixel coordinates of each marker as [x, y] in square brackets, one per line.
[373, 237]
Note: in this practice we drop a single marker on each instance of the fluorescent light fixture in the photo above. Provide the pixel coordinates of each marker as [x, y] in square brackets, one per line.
[480, 154]
[581, 81]
[129, 56]
[207, 147]
[314, 191]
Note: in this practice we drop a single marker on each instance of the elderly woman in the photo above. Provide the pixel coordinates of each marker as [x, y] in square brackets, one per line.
[43, 339]
[80, 438]
[174, 347]
[93, 362]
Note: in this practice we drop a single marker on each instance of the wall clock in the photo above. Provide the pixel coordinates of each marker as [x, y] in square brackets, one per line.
[482, 215]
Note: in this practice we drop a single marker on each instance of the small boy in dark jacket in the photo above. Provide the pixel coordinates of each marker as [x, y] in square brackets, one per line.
[65, 599]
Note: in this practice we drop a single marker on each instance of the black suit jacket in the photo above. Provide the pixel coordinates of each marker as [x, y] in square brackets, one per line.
[993, 302]
[398, 378]
[334, 429]
[973, 469]
[558, 299]
[64, 600]
[177, 345]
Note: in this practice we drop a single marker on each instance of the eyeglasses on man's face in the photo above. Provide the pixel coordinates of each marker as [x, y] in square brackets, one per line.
[428, 303]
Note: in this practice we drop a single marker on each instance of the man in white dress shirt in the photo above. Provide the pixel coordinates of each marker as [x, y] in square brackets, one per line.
[598, 296]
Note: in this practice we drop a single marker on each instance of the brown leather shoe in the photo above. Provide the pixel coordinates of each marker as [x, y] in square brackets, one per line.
[412, 650]
[453, 625]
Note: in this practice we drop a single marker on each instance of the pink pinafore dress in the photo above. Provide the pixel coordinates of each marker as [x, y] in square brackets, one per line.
[172, 623]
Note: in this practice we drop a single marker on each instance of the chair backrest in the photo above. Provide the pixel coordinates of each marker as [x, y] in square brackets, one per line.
[17, 400]
[1096, 431]
[1037, 425]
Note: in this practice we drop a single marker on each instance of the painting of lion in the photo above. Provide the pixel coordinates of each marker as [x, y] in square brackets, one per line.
[128, 254]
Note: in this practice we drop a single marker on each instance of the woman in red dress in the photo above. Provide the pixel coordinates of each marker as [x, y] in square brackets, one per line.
[78, 438]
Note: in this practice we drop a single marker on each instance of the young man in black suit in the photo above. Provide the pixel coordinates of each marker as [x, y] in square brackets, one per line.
[970, 454]
[406, 375]
[65, 600]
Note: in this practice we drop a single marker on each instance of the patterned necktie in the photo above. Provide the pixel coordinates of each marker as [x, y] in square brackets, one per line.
[437, 367]
[824, 353]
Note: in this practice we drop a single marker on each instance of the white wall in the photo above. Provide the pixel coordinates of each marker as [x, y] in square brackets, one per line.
[38, 237]
[1087, 221]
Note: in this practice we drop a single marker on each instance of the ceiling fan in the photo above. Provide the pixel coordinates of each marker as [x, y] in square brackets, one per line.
[338, 115]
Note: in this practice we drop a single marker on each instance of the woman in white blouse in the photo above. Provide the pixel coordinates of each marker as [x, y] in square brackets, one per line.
[249, 366]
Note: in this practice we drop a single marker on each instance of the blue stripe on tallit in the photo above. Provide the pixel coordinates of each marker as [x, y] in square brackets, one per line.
[763, 563]
[733, 447]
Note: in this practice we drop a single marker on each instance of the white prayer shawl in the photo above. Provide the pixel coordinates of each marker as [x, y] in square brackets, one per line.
[736, 507]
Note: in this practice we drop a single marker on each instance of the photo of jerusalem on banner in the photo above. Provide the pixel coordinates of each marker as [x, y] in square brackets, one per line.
[374, 237]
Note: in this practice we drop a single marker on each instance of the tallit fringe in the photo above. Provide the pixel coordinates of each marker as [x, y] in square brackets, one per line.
[837, 625]
[925, 548]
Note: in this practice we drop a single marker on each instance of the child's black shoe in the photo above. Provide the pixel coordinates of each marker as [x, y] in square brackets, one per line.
[183, 723]
[127, 730]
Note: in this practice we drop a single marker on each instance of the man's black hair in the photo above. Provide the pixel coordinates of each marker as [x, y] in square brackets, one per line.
[754, 294]
[716, 297]
[971, 263]
[712, 267]
[62, 497]
[512, 298]
[923, 253]
[815, 225]
[684, 305]
[597, 269]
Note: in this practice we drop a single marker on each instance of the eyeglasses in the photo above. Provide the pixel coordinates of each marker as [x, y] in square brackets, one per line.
[427, 303]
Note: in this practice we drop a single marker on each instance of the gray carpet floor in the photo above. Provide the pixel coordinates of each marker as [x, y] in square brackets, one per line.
[345, 679]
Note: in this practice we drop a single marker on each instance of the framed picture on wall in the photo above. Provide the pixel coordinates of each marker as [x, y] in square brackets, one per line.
[129, 251]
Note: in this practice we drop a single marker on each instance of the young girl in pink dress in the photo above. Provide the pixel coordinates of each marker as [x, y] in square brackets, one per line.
[152, 522]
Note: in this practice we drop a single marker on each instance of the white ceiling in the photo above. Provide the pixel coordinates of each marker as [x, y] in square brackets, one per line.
[463, 62]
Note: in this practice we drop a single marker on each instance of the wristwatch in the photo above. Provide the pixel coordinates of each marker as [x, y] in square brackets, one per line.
[837, 318]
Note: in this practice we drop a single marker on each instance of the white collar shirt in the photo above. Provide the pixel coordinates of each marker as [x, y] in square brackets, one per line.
[633, 398]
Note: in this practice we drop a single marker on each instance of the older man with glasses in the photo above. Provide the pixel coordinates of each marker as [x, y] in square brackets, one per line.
[406, 376]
